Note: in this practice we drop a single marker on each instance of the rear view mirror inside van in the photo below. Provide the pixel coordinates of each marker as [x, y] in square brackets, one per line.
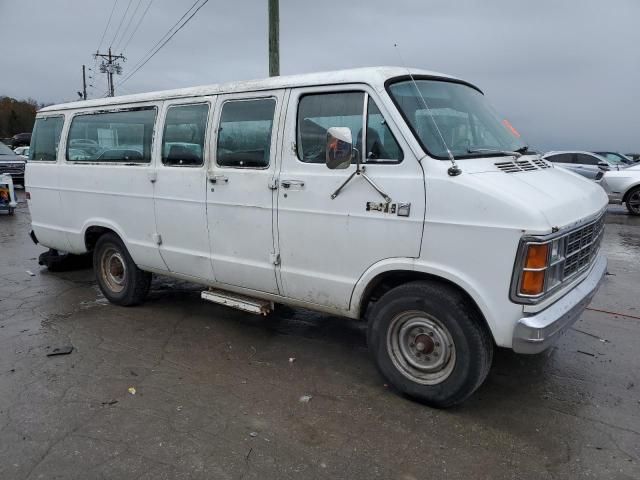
[339, 148]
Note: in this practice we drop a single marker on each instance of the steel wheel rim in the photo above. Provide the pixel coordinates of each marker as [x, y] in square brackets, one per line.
[634, 202]
[421, 347]
[114, 270]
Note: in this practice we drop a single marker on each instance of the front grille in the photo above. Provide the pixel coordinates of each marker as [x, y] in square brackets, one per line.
[581, 247]
[523, 165]
[12, 169]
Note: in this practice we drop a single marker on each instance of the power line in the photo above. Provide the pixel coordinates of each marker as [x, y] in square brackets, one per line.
[128, 24]
[168, 32]
[121, 22]
[137, 26]
[143, 63]
[108, 23]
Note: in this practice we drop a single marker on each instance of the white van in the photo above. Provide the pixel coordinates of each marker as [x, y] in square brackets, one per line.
[383, 194]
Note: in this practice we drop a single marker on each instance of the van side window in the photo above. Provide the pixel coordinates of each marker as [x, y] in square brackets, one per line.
[244, 134]
[319, 112]
[107, 137]
[46, 138]
[183, 137]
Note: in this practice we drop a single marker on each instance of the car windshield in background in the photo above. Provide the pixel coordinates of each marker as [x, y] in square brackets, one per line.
[615, 158]
[450, 115]
[4, 150]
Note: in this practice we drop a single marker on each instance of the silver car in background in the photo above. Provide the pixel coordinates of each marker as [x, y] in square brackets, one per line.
[586, 164]
[623, 186]
[12, 164]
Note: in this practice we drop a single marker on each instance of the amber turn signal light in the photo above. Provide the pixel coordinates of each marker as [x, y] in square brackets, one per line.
[535, 264]
[532, 283]
[537, 255]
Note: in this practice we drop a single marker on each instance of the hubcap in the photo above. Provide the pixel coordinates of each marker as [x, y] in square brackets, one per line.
[114, 270]
[421, 347]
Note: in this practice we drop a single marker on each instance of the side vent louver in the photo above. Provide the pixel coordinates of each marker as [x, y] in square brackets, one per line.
[522, 165]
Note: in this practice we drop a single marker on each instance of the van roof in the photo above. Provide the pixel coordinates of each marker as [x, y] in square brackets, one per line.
[371, 75]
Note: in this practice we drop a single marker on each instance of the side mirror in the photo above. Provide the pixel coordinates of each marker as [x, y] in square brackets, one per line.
[603, 165]
[339, 150]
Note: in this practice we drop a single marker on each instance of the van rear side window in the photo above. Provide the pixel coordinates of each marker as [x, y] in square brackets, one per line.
[184, 132]
[46, 138]
[108, 137]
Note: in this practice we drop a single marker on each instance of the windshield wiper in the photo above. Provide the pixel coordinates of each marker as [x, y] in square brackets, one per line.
[509, 153]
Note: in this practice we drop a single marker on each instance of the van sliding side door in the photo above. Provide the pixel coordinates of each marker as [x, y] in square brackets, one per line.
[184, 134]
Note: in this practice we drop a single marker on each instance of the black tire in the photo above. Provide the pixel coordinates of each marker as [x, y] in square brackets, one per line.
[425, 366]
[120, 280]
[633, 201]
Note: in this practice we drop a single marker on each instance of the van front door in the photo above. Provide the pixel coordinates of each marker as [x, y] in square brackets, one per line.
[240, 195]
[327, 243]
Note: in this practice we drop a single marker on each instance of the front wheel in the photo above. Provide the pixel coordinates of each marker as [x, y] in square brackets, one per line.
[633, 201]
[430, 343]
[120, 280]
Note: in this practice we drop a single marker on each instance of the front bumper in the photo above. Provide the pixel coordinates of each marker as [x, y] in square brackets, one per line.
[535, 333]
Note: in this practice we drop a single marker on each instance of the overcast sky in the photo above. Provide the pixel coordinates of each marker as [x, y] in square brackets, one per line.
[566, 73]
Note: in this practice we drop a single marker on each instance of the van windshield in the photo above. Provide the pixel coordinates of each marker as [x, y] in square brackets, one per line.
[446, 114]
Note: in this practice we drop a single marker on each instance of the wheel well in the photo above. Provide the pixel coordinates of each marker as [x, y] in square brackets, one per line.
[626, 194]
[388, 280]
[92, 235]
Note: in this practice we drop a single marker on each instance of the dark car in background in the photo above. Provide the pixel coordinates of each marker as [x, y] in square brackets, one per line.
[20, 140]
[12, 164]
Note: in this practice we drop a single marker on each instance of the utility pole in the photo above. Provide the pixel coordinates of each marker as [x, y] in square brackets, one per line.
[110, 65]
[84, 83]
[274, 38]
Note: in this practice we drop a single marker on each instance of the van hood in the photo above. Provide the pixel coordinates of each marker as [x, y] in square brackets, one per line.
[560, 197]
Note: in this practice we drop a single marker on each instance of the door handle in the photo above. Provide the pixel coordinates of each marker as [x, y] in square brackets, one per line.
[219, 179]
[292, 183]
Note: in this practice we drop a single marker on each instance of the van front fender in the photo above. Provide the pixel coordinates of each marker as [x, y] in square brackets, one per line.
[497, 313]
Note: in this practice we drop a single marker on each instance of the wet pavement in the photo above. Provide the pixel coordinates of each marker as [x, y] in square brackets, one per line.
[217, 396]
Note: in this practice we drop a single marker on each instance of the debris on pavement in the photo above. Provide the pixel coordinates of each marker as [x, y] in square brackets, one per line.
[110, 402]
[305, 398]
[586, 353]
[66, 350]
[30, 273]
[131, 390]
[253, 434]
[603, 340]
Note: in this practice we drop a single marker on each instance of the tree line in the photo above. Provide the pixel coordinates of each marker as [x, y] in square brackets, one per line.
[17, 116]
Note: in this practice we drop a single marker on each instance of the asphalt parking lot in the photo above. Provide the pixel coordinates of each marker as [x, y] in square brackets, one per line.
[218, 392]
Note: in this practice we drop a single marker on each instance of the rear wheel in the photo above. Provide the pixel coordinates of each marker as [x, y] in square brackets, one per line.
[120, 280]
[633, 201]
[430, 343]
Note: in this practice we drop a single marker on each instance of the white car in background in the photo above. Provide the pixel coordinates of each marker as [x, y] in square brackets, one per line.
[623, 186]
[22, 151]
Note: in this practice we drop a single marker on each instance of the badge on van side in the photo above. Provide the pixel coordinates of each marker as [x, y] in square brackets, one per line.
[401, 209]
